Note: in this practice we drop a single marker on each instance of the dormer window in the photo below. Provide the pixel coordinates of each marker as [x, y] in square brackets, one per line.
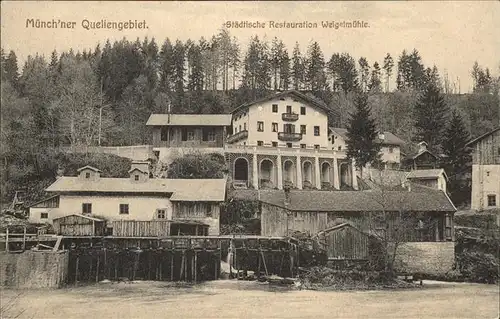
[136, 177]
[87, 175]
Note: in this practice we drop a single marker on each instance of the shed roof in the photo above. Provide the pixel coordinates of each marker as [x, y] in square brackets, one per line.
[479, 138]
[182, 189]
[43, 200]
[426, 174]
[189, 120]
[81, 216]
[360, 201]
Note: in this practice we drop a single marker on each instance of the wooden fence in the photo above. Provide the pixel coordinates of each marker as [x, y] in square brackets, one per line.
[141, 228]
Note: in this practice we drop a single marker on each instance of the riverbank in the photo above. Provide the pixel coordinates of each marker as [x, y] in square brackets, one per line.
[246, 299]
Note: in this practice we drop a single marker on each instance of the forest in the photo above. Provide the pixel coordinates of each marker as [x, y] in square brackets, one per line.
[104, 95]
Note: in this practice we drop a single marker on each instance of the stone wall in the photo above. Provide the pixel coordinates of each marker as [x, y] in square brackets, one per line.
[33, 269]
[435, 258]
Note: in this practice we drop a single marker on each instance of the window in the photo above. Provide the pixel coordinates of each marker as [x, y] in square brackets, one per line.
[164, 133]
[492, 200]
[208, 210]
[487, 173]
[302, 110]
[275, 108]
[190, 135]
[316, 146]
[123, 209]
[275, 127]
[340, 148]
[289, 145]
[303, 129]
[87, 175]
[136, 177]
[208, 134]
[275, 144]
[316, 131]
[44, 215]
[260, 143]
[391, 149]
[86, 208]
[245, 126]
[235, 129]
[161, 214]
[260, 126]
[289, 109]
[289, 128]
[302, 145]
[184, 134]
[282, 98]
[239, 129]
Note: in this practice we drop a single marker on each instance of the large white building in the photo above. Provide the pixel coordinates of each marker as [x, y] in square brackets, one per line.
[486, 170]
[283, 139]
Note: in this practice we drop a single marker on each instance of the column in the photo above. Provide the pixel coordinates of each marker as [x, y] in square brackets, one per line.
[336, 180]
[255, 171]
[298, 166]
[317, 173]
[354, 177]
[280, 171]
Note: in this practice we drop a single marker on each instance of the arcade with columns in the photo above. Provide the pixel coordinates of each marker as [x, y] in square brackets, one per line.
[272, 168]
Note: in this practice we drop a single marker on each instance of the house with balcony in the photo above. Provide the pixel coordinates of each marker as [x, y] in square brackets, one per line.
[282, 139]
[176, 134]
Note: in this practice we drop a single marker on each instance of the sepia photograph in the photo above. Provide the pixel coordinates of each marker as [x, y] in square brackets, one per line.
[250, 159]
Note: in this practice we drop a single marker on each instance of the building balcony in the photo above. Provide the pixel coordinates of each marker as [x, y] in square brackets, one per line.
[236, 137]
[289, 137]
[289, 117]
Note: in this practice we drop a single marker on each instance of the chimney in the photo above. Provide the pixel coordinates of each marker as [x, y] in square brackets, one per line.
[422, 146]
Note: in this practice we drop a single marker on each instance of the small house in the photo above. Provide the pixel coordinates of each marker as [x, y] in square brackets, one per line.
[79, 225]
[434, 178]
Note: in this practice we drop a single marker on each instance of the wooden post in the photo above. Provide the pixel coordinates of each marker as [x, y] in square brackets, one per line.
[182, 264]
[97, 268]
[24, 238]
[76, 270]
[172, 255]
[195, 266]
[264, 262]
[90, 270]
[258, 267]
[7, 239]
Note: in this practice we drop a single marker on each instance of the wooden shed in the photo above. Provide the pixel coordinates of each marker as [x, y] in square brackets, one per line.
[79, 225]
[158, 228]
[345, 242]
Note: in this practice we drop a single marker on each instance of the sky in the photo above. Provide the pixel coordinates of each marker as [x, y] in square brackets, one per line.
[451, 35]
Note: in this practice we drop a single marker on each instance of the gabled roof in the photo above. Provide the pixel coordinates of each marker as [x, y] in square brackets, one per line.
[137, 169]
[426, 174]
[479, 138]
[360, 201]
[89, 167]
[309, 98]
[389, 138]
[182, 189]
[189, 120]
[422, 153]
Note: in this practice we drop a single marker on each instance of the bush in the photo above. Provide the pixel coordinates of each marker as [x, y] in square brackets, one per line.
[478, 266]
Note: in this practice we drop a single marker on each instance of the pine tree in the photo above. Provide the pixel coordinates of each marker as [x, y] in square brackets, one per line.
[364, 71]
[347, 74]
[361, 134]
[457, 161]
[11, 69]
[297, 68]
[455, 142]
[315, 71]
[430, 114]
[388, 65]
[166, 67]
[375, 82]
